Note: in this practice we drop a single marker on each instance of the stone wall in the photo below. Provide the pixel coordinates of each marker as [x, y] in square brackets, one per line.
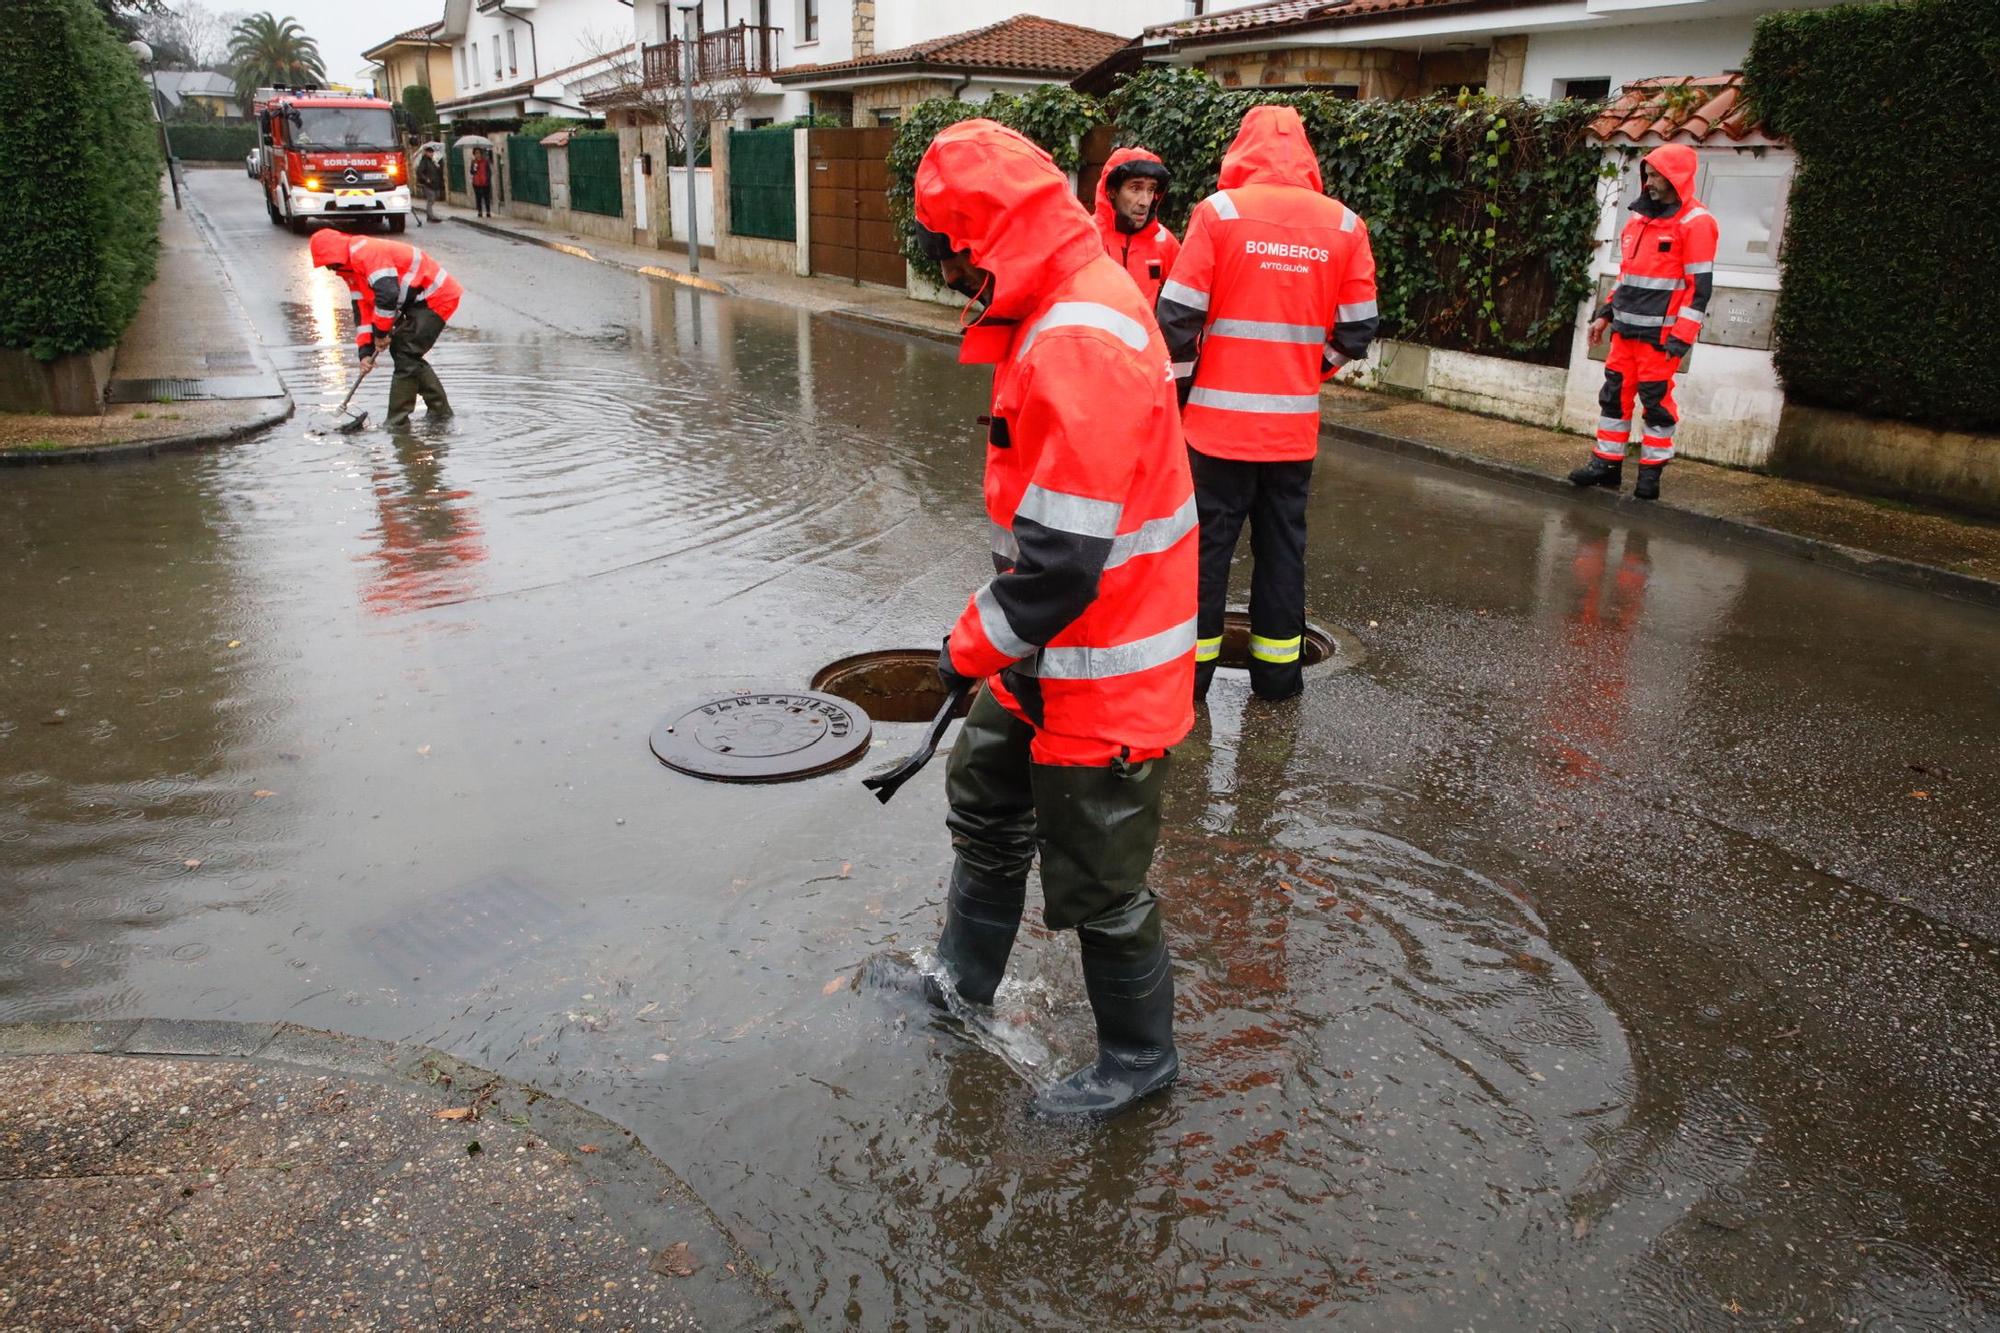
[900, 96]
[1375, 72]
[1504, 66]
[864, 28]
[1892, 458]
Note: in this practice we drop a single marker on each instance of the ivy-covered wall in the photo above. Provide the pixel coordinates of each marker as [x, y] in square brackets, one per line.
[1483, 211]
[79, 180]
[1892, 247]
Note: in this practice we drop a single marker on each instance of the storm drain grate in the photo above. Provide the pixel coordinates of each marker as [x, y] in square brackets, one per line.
[182, 390]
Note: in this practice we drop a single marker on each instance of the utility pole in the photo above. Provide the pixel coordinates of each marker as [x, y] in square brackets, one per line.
[145, 55]
[688, 40]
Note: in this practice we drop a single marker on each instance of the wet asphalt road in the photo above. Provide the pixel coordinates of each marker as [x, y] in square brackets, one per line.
[1616, 946]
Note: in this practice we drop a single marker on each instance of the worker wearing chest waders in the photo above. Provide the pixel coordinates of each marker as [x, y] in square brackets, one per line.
[1129, 194]
[1085, 634]
[1274, 292]
[402, 299]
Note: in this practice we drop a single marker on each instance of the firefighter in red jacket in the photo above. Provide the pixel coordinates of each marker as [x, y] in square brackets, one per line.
[1666, 274]
[1130, 191]
[1274, 292]
[1085, 635]
[402, 299]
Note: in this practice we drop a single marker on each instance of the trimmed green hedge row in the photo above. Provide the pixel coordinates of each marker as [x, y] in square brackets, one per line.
[212, 143]
[1892, 247]
[79, 180]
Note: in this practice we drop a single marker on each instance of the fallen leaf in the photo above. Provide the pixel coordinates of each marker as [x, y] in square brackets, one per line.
[1920, 796]
[846, 869]
[586, 1147]
[192, 863]
[236, 643]
[261, 793]
[676, 1261]
[1578, 1231]
[423, 749]
[458, 1113]
[660, 1056]
[832, 986]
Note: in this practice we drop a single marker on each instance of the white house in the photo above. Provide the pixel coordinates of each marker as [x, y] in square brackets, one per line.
[516, 59]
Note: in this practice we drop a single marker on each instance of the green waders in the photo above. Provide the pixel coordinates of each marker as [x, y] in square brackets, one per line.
[1095, 829]
[416, 329]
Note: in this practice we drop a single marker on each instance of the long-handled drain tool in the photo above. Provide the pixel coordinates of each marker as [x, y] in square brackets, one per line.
[359, 419]
[885, 785]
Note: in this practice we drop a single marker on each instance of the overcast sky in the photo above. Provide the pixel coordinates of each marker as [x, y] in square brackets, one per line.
[343, 28]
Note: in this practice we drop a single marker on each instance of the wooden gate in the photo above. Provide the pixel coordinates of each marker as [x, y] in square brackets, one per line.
[852, 236]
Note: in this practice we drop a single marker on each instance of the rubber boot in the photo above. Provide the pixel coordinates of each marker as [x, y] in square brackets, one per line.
[402, 397]
[1648, 487]
[1132, 999]
[980, 921]
[1598, 472]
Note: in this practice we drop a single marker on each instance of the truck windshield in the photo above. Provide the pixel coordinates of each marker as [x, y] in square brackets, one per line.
[343, 127]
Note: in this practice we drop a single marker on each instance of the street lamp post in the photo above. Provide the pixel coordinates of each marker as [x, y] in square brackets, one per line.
[145, 55]
[688, 40]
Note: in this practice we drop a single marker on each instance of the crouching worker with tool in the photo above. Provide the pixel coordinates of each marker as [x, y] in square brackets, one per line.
[1085, 635]
[402, 298]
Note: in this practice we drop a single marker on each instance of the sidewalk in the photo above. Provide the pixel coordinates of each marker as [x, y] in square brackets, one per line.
[187, 371]
[193, 1174]
[1918, 548]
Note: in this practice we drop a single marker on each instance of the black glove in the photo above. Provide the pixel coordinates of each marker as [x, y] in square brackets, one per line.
[1676, 348]
[367, 350]
[953, 678]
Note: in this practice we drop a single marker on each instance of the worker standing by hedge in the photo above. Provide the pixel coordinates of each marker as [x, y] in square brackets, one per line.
[1666, 274]
[1130, 191]
[402, 298]
[1085, 635]
[1274, 292]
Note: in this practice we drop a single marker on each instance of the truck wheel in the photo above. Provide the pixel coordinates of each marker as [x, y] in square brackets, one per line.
[397, 222]
[293, 220]
[271, 207]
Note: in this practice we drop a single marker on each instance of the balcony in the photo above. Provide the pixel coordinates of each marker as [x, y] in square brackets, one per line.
[745, 51]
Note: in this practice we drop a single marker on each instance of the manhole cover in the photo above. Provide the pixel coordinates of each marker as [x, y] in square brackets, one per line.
[1329, 649]
[770, 737]
[890, 684]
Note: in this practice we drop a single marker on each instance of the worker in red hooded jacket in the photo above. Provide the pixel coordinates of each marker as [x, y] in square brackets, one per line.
[1130, 191]
[1273, 293]
[1085, 634]
[402, 298]
[1666, 274]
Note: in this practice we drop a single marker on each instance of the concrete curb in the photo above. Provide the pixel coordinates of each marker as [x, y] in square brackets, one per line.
[1833, 555]
[891, 324]
[579, 252]
[637, 1190]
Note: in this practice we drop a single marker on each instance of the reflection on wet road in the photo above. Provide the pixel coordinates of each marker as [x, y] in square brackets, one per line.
[1615, 947]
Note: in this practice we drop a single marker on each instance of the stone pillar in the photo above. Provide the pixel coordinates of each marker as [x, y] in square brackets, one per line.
[864, 28]
[1505, 64]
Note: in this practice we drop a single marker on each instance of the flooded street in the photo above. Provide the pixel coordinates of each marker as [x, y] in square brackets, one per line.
[1616, 945]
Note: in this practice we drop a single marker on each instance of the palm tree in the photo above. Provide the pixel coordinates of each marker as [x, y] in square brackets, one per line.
[266, 51]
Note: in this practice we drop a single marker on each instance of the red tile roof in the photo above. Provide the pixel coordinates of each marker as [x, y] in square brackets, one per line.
[1287, 14]
[1024, 43]
[1680, 109]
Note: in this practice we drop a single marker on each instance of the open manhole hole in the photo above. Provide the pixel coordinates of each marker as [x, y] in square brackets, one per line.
[762, 737]
[1324, 649]
[891, 685]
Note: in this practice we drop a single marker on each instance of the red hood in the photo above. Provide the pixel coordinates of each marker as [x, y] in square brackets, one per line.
[1107, 213]
[1271, 149]
[1677, 162]
[329, 245]
[993, 192]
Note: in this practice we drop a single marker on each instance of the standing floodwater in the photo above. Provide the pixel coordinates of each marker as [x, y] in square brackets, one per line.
[1614, 946]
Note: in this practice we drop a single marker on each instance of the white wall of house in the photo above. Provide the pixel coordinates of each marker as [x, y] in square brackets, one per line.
[498, 49]
[1634, 51]
[903, 22]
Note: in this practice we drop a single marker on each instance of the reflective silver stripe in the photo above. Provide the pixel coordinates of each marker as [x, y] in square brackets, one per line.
[436, 283]
[1077, 514]
[1337, 359]
[1691, 315]
[1641, 321]
[1276, 650]
[1087, 315]
[1182, 294]
[1266, 331]
[1360, 310]
[1119, 659]
[1004, 544]
[1226, 401]
[1162, 234]
[1154, 536]
[1699, 268]
[1655, 453]
[1349, 219]
[1649, 283]
[1224, 206]
[1181, 369]
[1696, 212]
[1652, 432]
[993, 621]
[1608, 426]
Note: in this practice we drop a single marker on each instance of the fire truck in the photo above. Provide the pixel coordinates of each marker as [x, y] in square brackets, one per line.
[331, 156]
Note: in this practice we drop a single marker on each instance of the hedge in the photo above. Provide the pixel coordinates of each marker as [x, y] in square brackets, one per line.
[79, 180]
[212, 143]
[1890, 270]
[1482, 211]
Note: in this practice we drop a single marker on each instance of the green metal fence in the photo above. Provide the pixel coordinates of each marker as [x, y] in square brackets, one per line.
[528, 169]
[595, 181]
[455, 166]
[762, 199]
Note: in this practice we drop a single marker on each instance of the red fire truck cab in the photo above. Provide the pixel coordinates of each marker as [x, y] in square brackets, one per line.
[330, 156]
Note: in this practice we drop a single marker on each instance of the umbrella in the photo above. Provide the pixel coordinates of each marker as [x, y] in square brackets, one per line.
[432, 147]
[472, 141]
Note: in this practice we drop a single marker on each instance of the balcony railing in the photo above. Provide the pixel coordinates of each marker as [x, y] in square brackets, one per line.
[745, 51]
